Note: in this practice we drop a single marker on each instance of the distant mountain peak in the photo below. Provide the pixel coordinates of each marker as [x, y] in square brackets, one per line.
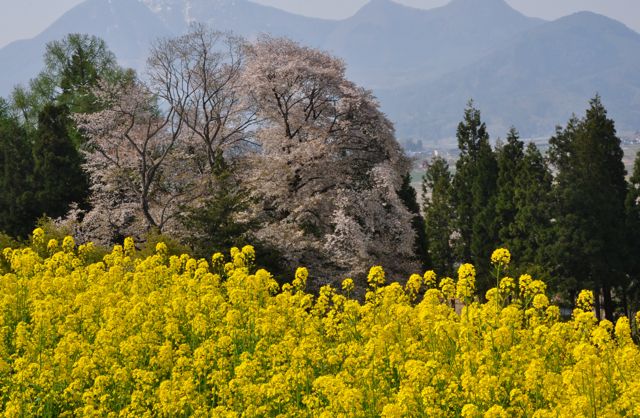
[379, 3]
[522, 70]
[383, 9]
[480, 3]
[486, 6]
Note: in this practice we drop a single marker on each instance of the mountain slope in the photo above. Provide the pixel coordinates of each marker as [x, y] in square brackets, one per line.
[387, 44]
[534, 83]
[242, 17]
[424, 65]
[128, 27]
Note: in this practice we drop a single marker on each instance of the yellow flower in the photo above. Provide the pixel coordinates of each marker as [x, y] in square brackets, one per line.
[540, 301]
[467, 271]
[300, 280]
[507, 286]
[348, 285]
[470, 411]
[249, 253]
[448, 287]
[52, 245]
[38, 235]
[161, 248]
[68, 244]
[376, 277]
[413, 285]
[430, 279]
[217, 260]
[501, 257]
[585, 300]
[623, 330]
[496, 411]
[130, 246]
[178, 336]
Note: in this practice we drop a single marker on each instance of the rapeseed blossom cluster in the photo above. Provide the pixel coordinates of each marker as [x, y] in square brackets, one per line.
[174, 336]
[501, 257]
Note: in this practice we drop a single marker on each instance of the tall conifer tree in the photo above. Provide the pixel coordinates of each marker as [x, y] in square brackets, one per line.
[17, 214]
[409, 197]
[437, 207]
[530, 229]
[474, 192]
[58, 177]
[590, 196]
[509, 158]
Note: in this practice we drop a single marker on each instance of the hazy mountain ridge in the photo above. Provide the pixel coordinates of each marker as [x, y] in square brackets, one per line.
[383, 41]
[535, 82]
[127, 26]
[423, 64]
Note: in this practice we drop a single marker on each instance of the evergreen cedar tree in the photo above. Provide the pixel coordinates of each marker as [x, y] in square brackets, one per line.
[590, 196]
[437, 207]
[16, 162]
[631, 290]
[58, 177]
[474, 194]
[42, 161]
[509, 156]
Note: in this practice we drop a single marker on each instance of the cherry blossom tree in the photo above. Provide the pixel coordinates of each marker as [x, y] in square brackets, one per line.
[197, 75]
[164, 150]
[139, 161]
[329, 168]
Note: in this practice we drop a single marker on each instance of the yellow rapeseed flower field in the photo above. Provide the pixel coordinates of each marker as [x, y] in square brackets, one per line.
[174, 336]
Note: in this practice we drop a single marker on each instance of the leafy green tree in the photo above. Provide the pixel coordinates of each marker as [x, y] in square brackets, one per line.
[409, 197]
[74, 65]
[77, 64]
[17, 215]
[58, 178]
[437, 206]
[474, 193]
[590, 195]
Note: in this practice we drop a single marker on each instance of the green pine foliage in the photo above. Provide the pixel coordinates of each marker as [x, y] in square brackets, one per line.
[17, 214]
[474, 192]
[214, 225]
[437, 207]
[58, 178]
[590, 196]
[510, 157]
[409, 197]
[530, 233]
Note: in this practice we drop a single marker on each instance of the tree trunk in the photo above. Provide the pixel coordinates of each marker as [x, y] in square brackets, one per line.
[608, 302]
[151, 223]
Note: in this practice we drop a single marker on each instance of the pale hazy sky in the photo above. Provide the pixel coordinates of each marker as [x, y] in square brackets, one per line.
[26, 18]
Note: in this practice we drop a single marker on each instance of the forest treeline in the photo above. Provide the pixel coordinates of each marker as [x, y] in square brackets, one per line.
[222, 142]
[570, 216]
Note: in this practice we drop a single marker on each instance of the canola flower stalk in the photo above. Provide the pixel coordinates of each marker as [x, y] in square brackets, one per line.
[174, 336]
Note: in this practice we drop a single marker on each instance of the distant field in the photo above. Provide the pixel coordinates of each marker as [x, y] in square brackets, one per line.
[630, 152]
